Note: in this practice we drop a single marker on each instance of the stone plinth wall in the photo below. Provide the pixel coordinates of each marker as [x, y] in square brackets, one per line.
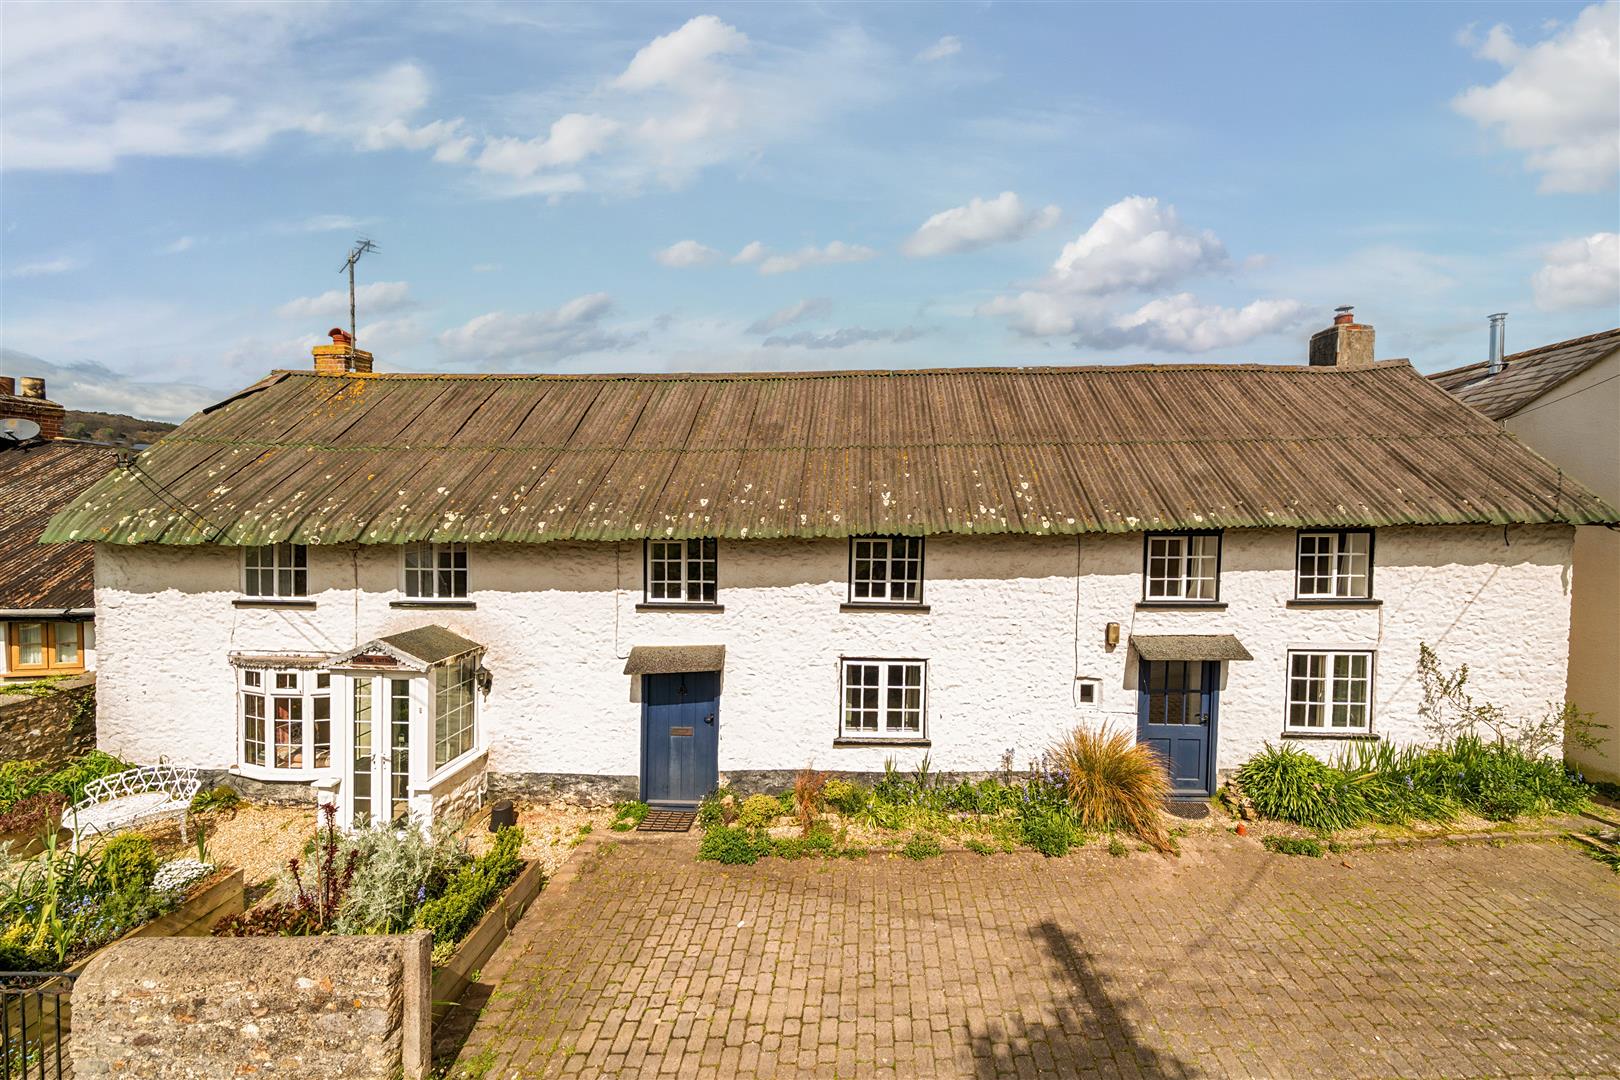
[52, 728]
[356, 1008]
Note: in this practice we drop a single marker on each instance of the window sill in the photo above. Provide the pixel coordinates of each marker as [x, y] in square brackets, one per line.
[1333, 602]
[454, 605]
[716, 608]
[840, 743]
[289, 776]
[1181, 605]
[1334, 736]
[922, 609]
[288, 602]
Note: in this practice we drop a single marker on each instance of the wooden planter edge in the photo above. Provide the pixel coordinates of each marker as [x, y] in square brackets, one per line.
[477, 947]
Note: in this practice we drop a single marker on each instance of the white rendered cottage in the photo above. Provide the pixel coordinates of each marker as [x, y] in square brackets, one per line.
[399, 588]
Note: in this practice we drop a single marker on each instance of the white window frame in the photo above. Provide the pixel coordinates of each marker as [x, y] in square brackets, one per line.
[462, 740]
[1342, 572]
[883, 669]
[1327, 690]
[285, 567]
[258, 691]
[689, 590]
[441, 559]
[1173, 565]
[888, 590]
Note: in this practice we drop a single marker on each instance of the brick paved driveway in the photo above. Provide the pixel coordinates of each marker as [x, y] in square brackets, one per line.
[1438, 961]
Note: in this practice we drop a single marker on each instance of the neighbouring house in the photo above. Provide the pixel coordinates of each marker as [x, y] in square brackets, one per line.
[398, 589]
[1563, 400]
[47, 602]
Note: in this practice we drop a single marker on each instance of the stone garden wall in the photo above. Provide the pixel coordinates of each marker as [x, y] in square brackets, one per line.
[53, 728]
[357, 1008]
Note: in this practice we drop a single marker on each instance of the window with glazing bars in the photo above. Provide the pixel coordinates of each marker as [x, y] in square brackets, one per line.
[453, 726]
[1335, 565]
[436, 571]
[885, 569]
[1329, 691]
[276, 570]
[286, 719]
[682, 571]
[884, 698]
[1182, 566]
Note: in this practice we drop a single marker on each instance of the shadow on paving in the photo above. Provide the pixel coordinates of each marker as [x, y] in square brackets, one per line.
[1089, 1030]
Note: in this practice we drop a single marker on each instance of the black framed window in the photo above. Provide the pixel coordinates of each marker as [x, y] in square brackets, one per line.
[1181, 567]
[1334, 564]
[682, 571]
[885, 569]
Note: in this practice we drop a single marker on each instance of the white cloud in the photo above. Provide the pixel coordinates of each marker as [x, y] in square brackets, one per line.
[371, 299]
[835, 252]
[814, 308]
[323, 223]
[843, 338]
[540, 338]
[486, 268]
[1559, 100]
[1136, 244]
[572, 139]
[686, 253]
[89, 385]
[945, 47]
[1180, 323]
[1580, 273]
[62, 264]
[979, 224]
[683, 55]
[178, 245]
[752, 252]
[444, 137]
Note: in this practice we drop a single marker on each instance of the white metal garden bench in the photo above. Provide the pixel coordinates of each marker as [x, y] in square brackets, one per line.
[133, 797]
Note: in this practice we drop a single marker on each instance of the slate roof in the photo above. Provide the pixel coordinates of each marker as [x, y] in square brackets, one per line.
[420, 648]
[36, 480]
[384, 459]
[1526, 375]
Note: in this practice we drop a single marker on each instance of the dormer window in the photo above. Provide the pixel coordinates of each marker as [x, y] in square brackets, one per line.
[1182, 567]
[277, 571]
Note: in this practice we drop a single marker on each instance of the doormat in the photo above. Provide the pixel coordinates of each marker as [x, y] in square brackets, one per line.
[1188, 809]
[667, 821]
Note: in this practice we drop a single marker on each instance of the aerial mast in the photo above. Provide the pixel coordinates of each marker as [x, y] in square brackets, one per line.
[361, 247]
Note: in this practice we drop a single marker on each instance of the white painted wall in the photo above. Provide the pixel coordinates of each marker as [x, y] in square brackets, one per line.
[1013, 620]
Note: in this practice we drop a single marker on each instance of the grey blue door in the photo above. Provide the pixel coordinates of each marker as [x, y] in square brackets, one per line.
[1176, 713]
[680, 737]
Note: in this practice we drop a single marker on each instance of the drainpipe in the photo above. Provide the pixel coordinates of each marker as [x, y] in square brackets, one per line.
[1498, 342]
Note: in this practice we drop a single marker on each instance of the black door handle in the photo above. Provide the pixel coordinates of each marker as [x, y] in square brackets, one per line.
[709, 719]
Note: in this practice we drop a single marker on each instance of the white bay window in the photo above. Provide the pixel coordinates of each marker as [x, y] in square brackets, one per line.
[285, 720]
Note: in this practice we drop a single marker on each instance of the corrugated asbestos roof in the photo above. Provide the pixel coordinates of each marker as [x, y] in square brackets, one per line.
[1526, 375]
[36, 480]
[325, 459]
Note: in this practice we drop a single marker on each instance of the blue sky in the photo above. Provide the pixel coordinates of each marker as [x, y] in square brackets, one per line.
[678, 187]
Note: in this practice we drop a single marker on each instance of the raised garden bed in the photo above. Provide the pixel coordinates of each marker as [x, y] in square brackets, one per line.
[453, 978]
[206, 903]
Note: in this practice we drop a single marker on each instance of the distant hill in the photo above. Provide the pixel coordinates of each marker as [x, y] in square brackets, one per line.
[116, 429]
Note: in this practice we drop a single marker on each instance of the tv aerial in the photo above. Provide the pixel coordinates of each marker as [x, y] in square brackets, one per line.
[17, 429]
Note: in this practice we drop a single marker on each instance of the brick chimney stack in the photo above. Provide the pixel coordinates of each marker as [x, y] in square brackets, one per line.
[341, 357]
[1346, 344]
[24, 399]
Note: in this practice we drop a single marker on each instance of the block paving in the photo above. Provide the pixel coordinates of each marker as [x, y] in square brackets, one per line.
[1448, 960]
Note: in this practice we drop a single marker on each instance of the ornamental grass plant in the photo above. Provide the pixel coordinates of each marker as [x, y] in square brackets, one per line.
[1112, 781]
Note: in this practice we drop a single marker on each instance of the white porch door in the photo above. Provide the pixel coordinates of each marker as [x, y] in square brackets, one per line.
[378, 777]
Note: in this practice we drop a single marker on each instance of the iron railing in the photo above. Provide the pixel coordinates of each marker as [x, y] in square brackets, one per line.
[34, 1025]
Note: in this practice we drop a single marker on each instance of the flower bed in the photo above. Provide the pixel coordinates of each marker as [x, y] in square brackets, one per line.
[389, 881]
[1090, 784]
[33, 796]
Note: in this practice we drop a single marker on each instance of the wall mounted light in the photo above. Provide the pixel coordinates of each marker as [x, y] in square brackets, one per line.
[1111, 636]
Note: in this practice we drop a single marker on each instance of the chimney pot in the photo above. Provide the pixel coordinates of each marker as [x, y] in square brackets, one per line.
[1345, 344]
[1498, 342]
[339, 336]
[341, 357]
[33, 387]
[8, 385]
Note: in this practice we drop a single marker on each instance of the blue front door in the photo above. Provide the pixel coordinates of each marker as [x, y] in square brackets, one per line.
[680, 737]
[1176, 713]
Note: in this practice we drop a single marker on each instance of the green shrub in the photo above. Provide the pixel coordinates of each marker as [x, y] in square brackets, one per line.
[715, 809]
[72, 778]
[846, 796]
[398, 871]
[629, 815]
[223, 797]
[1290, 784]
[759, 811]
[32, 813]
[1501, 783]
[820, 842]
[1113, 781]
[921, 846]
[469, 894]
[979, 847]
[1117, 848]
[1288, 845]
[127, 864]
[1393, 783]
[1051, 834]
[733, 845]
